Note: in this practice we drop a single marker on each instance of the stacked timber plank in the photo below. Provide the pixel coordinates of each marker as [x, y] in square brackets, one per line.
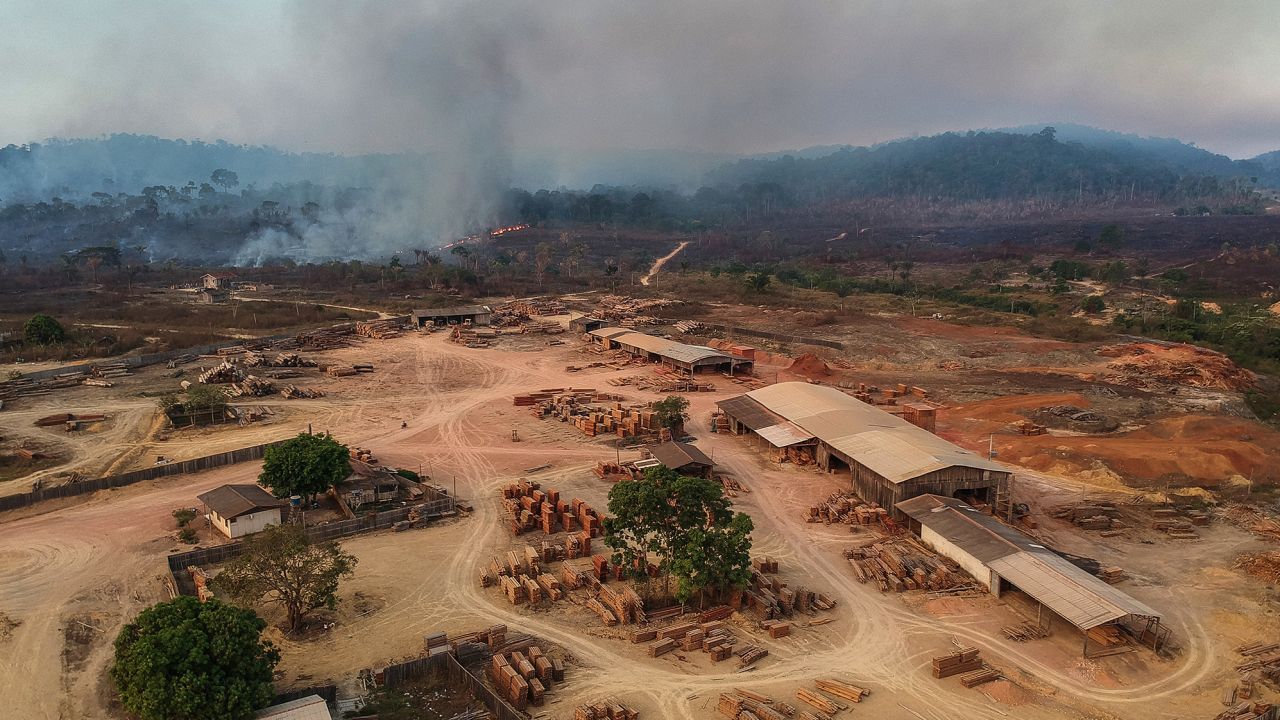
[523, 677]
[592, 419]
[901, 563]
[1251, 711]
[527, 506]
[1024, 631]
[770, 598]
[847, 509]
[964, 660]
[605, 710]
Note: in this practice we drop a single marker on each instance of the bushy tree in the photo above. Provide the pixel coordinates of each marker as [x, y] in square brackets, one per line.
[685, 526]
[304, 465]
[188, 660]
[1093, 304]
[42, 329]
[278, 566]
[671, 411]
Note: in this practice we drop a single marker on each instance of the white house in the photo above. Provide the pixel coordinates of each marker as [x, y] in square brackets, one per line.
[239, 510]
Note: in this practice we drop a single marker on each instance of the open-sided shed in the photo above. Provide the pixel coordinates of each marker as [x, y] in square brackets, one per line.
[676, 355]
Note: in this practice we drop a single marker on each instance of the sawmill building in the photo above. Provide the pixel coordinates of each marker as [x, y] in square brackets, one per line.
[476, 314]
[888, 458]
[688, 359]
[1002, 559]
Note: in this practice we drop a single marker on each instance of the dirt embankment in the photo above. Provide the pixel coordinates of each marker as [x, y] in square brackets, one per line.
[1153, 365]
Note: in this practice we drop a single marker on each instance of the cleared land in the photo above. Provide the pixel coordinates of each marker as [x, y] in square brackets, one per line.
[71, 573]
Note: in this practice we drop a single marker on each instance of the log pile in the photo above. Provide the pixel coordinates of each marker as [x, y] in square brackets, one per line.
[224, 372]
[290, 392]
[771, 599]
[1024, 631]
[1092, 516]
[847, 509]
[900, 564]
[578, 395]
[631, 312]
[1250, 711]
[379, 329]
[250, 386]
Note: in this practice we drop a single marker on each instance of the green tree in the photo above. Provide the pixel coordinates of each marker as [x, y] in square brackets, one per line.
[1093, 304]
[1112, 236]
[671, 411]
[278, 566]
[201, 398]
[758, 281]
[188, 660]
[224, 179]
[304, 465]
[685, 524]
[42, 329]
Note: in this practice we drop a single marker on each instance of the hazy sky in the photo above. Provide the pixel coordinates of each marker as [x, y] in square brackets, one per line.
[739, 76]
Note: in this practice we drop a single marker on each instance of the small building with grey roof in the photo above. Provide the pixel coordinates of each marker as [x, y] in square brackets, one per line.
[1002, 559]
[888, 458]
[686, 358]
[241, 509]
[682, 457]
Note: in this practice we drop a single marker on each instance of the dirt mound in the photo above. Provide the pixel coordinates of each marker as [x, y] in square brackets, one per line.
[810, 366]
[1264, 566]
[1152, 365]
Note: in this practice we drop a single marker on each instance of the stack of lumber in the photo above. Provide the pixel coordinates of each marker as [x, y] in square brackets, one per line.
[379, 329]
[902, 563]
[845, 508]
[771, 598]
[688, 326]
[750, 654]
[626, 605]
[110, 370]
[524, 677]
[605, 710]
[323, 339]
[979, 677]
[578, 408]
[776, 628]
[820, 702]
[1111, 574]
[843, 690]
[1263, 659]
[764, 564]
[959, 662]
[362, 455]
[223, 372]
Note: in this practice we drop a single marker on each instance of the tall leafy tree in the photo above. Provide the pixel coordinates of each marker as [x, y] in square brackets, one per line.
[671, 411]
[304, 465]
[683, 524]
[188, 660]
[278, 566]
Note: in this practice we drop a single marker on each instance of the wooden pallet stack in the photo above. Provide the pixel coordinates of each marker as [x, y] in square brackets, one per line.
[902, 563]
[526, 506]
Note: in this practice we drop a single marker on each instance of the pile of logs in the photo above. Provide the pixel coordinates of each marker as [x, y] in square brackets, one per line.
[379, 329]
[847, 509]
[251, 386]
[901, 564]
[290, 392]
[224, 372]
[1024, 631]
[362, 455]
[605, 710]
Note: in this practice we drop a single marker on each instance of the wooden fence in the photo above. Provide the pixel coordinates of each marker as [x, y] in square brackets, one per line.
[179, 562]
[208, 462]
[445, 666]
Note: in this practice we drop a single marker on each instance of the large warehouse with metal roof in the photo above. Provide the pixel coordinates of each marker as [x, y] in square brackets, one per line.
[890, 459]
[676, 355]
[1001, 558]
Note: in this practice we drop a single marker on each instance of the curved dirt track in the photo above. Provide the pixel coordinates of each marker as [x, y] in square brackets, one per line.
[108, 553]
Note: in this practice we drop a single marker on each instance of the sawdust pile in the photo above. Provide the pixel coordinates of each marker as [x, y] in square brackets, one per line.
[1007, 693]
[1264, 566]
[810, 366]
[1151, 365]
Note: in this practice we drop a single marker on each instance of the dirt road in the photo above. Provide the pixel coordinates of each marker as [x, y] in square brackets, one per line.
[660, 262]
[100, 562]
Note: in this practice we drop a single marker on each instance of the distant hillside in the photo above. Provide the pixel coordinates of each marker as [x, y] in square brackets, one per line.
[1182, 155]
[1270, 164]
[991, 165]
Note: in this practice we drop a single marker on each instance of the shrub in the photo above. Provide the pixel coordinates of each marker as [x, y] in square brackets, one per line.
[188, 535]
[184, 516]
[43, 330]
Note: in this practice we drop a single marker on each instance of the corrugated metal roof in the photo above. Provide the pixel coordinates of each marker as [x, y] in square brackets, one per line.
[610, 332]
[661, 346]
[230, 501]
[453, 311]
[311, 707]
[676, 455]
[784, 434]
[750, 413]
[890, 446]
[1080, 598]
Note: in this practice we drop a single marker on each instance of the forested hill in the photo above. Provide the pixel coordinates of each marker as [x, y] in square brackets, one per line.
[982, 166]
